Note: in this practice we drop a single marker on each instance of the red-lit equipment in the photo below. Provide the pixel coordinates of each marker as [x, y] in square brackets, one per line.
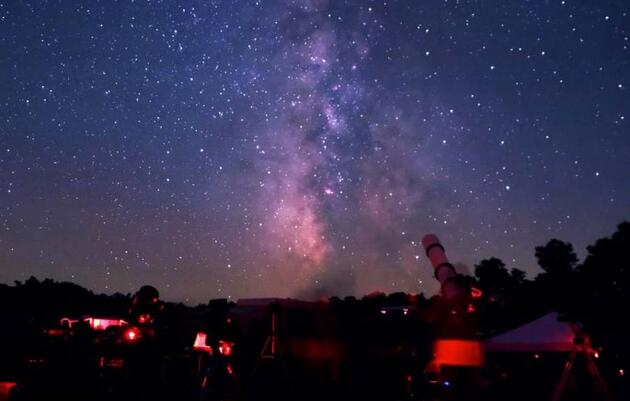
[201, 344]
[456, 352]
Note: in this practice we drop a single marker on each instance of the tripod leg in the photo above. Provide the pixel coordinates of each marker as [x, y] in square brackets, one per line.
[564, 379]
[592, 368]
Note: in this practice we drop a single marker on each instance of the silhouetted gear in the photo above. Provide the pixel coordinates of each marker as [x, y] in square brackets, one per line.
[147, 294]
[145, 305]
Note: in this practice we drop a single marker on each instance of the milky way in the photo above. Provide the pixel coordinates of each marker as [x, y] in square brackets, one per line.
[302, 148]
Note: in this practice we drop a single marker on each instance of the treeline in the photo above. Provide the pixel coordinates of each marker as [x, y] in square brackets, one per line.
[43, 302]
[595, 293]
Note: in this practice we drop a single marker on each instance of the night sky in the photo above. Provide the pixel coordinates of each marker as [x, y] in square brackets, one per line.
[303, 148]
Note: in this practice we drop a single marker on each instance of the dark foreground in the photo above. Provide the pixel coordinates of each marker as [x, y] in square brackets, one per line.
[281, 350]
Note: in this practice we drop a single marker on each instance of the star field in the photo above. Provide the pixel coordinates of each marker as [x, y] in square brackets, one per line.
[302, 148]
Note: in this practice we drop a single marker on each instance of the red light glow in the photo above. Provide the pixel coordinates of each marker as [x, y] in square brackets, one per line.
[458, 353]
[102, 323]
[67, 322]
[116, 363]
[475, 292]
[315, 349]
[200, 343]
[225, 348]
[132, 334]
[5, 389]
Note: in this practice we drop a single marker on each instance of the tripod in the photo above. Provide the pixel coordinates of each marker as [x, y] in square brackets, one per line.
[582, 347]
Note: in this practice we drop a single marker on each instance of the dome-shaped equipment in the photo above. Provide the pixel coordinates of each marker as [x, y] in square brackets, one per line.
[147, 294]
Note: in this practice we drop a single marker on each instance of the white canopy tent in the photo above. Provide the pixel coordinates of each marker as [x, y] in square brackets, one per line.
[548, 334]
[545, 334]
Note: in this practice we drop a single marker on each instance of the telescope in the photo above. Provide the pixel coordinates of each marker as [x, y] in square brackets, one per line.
[451, 287]
[456, 346]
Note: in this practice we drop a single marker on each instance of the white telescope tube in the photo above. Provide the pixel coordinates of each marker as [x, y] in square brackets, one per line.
[444, 271]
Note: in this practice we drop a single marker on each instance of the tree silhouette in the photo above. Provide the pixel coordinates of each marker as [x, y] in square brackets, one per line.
[493, 277]
[556, 257]
[556, 287]
[604, 296]
[518, 276]
[607, 265]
